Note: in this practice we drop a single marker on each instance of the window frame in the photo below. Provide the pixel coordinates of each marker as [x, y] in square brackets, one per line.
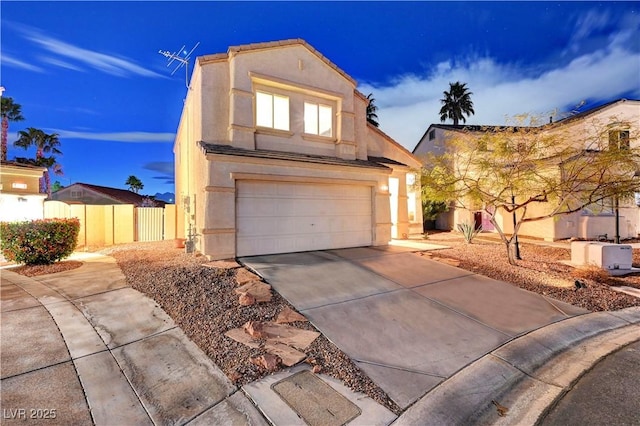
[319, 119]
[619, 139]
[275, 117]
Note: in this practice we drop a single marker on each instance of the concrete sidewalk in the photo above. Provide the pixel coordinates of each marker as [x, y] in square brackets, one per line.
[82, 347]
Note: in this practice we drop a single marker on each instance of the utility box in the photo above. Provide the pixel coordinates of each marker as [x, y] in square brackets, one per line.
[610, 256]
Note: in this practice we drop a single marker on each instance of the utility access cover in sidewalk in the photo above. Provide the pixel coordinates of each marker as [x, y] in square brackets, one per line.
[316, 402]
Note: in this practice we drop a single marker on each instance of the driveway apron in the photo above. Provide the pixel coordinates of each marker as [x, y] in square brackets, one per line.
[406, 321]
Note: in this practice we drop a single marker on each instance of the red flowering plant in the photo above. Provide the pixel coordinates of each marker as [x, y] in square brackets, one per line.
[39, 242]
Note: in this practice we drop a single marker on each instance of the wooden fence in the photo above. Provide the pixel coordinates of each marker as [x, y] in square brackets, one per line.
[106, 225]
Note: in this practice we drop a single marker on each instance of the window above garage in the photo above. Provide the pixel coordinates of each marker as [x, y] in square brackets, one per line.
[295, 111]
[318, 119]
[272, 111]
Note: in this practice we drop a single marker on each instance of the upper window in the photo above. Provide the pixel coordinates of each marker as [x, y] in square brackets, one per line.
[272, 111]
[318, 119]
[432, 135]
[619, 139]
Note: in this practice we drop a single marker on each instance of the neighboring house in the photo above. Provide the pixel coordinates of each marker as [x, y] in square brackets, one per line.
[618, 118]
[84, 193]
[19, 191]
[274, 154]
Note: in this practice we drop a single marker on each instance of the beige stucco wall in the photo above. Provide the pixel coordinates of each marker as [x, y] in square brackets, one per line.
[220, 109]
[585, 132]
[19, 193]
[219, 217]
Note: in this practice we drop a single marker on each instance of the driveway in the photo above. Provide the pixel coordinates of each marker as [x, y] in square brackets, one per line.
[408, 322]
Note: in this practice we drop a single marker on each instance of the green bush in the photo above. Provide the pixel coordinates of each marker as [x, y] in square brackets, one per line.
[39, 242]
[469, 231]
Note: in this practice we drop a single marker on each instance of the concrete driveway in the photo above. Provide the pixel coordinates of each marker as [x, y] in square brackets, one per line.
[408, 322]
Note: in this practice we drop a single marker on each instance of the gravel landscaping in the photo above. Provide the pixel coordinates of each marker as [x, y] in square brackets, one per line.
[203, 302]
[541, 271]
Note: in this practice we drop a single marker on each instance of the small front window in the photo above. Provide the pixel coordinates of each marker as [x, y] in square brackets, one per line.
[619, 139]
[318, 119]
[432, 135]
[272, 111]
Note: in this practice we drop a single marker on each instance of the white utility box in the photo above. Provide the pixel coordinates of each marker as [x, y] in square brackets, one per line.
[610, 256]
[603, 255]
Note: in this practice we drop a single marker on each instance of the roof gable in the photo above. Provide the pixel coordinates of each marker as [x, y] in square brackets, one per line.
[233, 50]
[122, 195]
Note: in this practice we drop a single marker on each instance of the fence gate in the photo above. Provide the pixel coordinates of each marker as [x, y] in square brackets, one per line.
[149, 223]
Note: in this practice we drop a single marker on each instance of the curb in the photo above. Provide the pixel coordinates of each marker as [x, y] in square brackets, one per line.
[518, 382]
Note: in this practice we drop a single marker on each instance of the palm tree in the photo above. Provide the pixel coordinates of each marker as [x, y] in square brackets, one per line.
[11, 111]
[372, 117]
[456, 103]
[44, 144]
[134, 183]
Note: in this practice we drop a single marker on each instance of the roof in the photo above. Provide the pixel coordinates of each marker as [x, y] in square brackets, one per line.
[588, 112]
[483, 128]
[384, 160]
[288, 156]
[271, 45]
[5, 163]
[466, 128]
[122, 195]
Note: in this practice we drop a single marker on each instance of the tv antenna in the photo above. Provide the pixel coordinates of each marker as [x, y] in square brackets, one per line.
[182, 57]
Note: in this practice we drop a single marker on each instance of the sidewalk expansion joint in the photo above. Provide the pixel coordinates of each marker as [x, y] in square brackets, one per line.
[408, 370]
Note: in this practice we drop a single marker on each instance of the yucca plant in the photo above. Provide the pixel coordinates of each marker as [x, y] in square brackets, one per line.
[469, 231]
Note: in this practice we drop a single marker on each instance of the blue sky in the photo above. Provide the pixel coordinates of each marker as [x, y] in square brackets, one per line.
[91, 71]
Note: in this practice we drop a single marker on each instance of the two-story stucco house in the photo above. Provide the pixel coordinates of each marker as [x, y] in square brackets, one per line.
[274, 154]
[616, 123]
[20, 197]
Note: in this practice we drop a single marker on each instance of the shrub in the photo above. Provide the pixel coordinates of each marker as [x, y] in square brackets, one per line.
[39, 242]
[469, 231]
[591, 272]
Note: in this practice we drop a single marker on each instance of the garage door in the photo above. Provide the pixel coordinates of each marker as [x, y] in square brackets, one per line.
[282, 217]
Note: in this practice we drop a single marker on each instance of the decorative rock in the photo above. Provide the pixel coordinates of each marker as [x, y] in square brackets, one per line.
[255, 329]
[287, 354]
[235, 376]
[289, 315]
[246, 299]
[259, 290]
[222, 264]
[268, 362]
[292, 336]
[243, 276]
[316, 369]
[241, 336]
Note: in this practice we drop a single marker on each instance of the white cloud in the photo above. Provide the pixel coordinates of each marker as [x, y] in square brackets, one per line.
[109, 64]
[410, 103]
[16, 63]
[60, 63]
[130, 137]
[589, 22]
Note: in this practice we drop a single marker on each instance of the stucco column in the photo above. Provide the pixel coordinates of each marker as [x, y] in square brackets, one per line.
[403, 210]
[241, 127]
[382, 213]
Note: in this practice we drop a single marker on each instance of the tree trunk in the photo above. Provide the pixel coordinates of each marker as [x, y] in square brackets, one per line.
[510, 255]
[5, 129]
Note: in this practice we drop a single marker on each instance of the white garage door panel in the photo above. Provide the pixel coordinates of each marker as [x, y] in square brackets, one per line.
[281, 217]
